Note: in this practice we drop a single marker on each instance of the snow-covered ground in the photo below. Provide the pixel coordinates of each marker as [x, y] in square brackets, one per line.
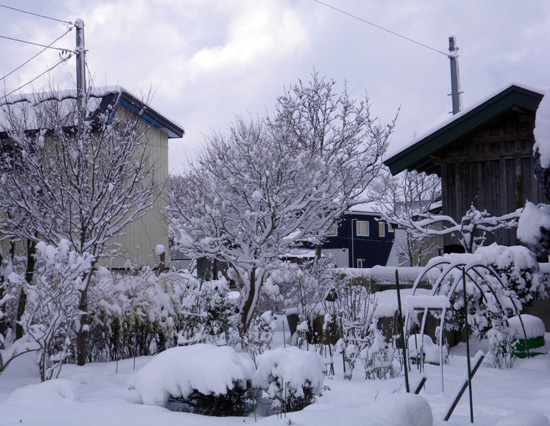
[98, 394]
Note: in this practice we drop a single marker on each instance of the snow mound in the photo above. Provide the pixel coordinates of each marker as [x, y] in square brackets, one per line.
[534, 326]
[293, 366]
[542, 131]
[403, 409]
[178, 371]
[524, 418]
[47, 393]
[430, 350]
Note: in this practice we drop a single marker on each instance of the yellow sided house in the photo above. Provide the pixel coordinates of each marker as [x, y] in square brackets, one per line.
[91, 170]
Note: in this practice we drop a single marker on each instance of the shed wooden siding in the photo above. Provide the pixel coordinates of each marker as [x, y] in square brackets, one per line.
[141, 237]
[491, 167]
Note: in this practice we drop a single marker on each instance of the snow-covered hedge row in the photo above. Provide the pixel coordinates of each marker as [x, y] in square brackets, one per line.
[218, 381]
[144, 313]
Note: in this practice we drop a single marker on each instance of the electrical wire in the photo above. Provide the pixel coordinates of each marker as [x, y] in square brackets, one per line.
[36, 44]
[381, 28]
[35, 14]
[42, 51]
[37, 77]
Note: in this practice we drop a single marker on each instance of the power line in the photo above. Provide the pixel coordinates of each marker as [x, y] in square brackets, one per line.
[35, 14]
[381, 28]
[42, 51]
[35, 44]
[37, 77]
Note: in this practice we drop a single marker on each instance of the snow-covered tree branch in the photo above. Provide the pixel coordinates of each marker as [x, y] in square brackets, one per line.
[262, 188]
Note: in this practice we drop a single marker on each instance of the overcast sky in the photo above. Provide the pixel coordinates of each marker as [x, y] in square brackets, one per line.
[209, 60]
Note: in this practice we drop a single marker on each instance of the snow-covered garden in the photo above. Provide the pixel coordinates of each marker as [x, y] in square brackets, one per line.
[271, 341]
[99, 393]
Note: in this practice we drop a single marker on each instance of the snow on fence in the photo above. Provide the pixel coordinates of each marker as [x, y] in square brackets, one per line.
[380, 278]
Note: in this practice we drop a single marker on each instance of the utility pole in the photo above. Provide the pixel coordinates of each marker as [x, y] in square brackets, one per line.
[83, 145]
[80, 64]
[455, 81]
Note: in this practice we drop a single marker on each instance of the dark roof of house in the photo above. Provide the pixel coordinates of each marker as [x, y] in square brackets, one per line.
[417, 155]
[98, 96]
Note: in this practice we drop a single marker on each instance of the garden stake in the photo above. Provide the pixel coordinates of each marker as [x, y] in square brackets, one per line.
[284, 334]
[344, 351]
[467, 345]
[402, 332]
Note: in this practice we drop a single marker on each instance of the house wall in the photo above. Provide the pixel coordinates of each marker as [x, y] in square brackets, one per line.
[372, 250]
[142, 236]
[491, 167]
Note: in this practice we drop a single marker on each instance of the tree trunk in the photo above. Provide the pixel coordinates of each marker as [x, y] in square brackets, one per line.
[3, 324]
[249, 305]
[29, 275]
[82, 333]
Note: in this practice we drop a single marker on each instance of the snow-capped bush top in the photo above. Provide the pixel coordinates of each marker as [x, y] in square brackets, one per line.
[178, 371]
[542, 131]
[503, 257]
[293, 366]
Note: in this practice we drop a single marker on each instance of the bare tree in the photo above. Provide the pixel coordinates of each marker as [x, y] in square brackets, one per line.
[74, 173]
[403, 199]
[261, 189]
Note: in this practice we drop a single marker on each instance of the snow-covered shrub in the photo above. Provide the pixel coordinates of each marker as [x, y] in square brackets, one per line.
[500, 349]
[378, 358]
[518, 269]
[144, 313]
[353, 309]
[260, 334]
[292, 378]
[52, 313]
[200, 378]
[134, 314]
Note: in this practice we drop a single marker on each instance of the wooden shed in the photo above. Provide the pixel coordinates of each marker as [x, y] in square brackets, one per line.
[484, 156]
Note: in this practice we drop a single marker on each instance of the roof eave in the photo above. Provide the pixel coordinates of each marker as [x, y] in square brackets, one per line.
[413, 156]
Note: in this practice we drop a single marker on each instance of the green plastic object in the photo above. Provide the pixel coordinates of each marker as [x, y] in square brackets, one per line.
[520, 348]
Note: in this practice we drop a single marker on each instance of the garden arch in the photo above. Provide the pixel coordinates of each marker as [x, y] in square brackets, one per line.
[451, 269]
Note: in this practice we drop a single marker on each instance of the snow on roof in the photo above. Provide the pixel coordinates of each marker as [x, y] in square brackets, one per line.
[369, 207]
[391, 151]
[22, 105]
[542, 131]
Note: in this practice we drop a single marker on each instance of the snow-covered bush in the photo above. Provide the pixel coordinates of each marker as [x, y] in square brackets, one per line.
[500, 349]
[201, 378]
[353, 310]
[518, 269]
[144, 313]
[291, 377]
[260, 334]
[52, 315]
[378, 358]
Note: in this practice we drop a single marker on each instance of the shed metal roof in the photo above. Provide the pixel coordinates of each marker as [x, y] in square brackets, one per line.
[416, 156]
[113, 93]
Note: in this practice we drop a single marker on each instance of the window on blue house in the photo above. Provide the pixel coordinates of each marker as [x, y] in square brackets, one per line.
[381, 229]
[362, 228]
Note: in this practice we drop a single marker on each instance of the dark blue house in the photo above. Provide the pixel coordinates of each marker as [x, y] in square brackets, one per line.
[359, 240]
